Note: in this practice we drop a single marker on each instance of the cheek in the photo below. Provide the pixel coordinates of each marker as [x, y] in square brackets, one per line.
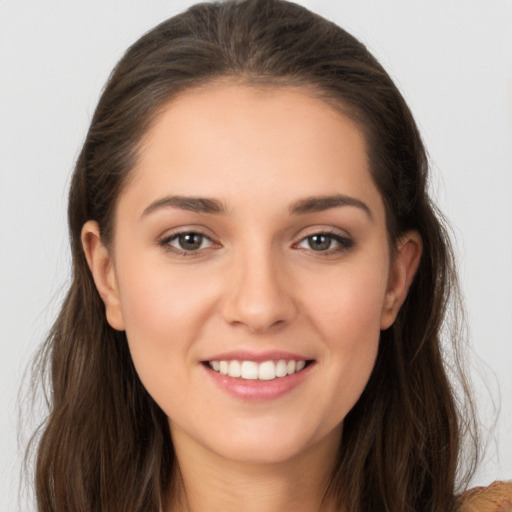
[164, 317]
[163, 314]
[347, 305]
[154, 297]
[346, 311]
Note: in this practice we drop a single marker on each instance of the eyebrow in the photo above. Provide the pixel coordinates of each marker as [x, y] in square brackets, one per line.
[193, 204]
[321, 203]
[302, 206]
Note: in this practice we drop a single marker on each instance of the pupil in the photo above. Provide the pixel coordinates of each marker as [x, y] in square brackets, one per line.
[191, 241]
[319, 242]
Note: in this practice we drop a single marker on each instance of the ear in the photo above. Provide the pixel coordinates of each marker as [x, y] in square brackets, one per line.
[102, 268]
[403, 268]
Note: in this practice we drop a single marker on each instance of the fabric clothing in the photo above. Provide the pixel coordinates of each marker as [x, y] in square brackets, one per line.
[497, 497]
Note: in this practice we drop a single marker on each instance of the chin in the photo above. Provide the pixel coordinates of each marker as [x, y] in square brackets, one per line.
[260, 451]
[273, 442]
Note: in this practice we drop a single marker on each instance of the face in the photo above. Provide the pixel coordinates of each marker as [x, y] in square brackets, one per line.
[250, 268]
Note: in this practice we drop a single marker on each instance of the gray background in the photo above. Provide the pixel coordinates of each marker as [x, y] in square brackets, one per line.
[452, 59]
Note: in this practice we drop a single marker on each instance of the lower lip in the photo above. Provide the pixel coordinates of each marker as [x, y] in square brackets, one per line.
[259, 390]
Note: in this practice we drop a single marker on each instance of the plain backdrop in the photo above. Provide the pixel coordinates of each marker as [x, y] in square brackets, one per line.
[452, 59]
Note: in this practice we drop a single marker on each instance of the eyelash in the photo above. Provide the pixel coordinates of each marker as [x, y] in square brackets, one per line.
[344, 243]
[165, 243]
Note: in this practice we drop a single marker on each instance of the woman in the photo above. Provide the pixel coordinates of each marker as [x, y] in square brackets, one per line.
[259, 283]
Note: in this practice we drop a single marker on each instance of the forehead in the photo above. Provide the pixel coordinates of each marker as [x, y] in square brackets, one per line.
[224, 140]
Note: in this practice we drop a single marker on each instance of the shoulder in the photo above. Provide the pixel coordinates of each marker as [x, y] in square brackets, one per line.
[497, 497]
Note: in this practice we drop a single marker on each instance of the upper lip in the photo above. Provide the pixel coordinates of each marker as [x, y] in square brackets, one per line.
[257, 357]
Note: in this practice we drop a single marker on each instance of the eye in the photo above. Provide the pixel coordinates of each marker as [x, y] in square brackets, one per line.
[186, 242]
[325, 242]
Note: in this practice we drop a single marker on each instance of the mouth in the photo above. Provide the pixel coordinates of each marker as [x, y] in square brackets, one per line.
[269, 370]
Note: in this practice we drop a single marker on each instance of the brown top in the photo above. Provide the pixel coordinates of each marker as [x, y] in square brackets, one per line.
[497, 497]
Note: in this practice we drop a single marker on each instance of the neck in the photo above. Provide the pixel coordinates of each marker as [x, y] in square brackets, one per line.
[205, 481]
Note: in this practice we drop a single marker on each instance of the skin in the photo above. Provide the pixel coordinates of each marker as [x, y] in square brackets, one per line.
[256, 283]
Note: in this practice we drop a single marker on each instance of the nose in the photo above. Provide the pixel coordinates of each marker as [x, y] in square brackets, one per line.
[259, 294]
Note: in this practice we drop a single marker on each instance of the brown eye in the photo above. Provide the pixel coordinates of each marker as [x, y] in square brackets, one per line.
[320, 242]
[325, 242]
[186, 242]
[190, 241]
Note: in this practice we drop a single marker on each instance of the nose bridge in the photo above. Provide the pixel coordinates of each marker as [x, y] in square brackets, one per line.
[259, 291]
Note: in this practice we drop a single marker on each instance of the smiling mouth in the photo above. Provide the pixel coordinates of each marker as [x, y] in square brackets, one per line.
[251, 370]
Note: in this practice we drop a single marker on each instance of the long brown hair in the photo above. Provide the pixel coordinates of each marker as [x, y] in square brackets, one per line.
[106, 444]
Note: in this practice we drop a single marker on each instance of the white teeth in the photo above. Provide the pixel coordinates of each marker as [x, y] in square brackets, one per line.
[250, 370]
[224, 367]
[281, 368]
[267, 371]
[234, 369]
